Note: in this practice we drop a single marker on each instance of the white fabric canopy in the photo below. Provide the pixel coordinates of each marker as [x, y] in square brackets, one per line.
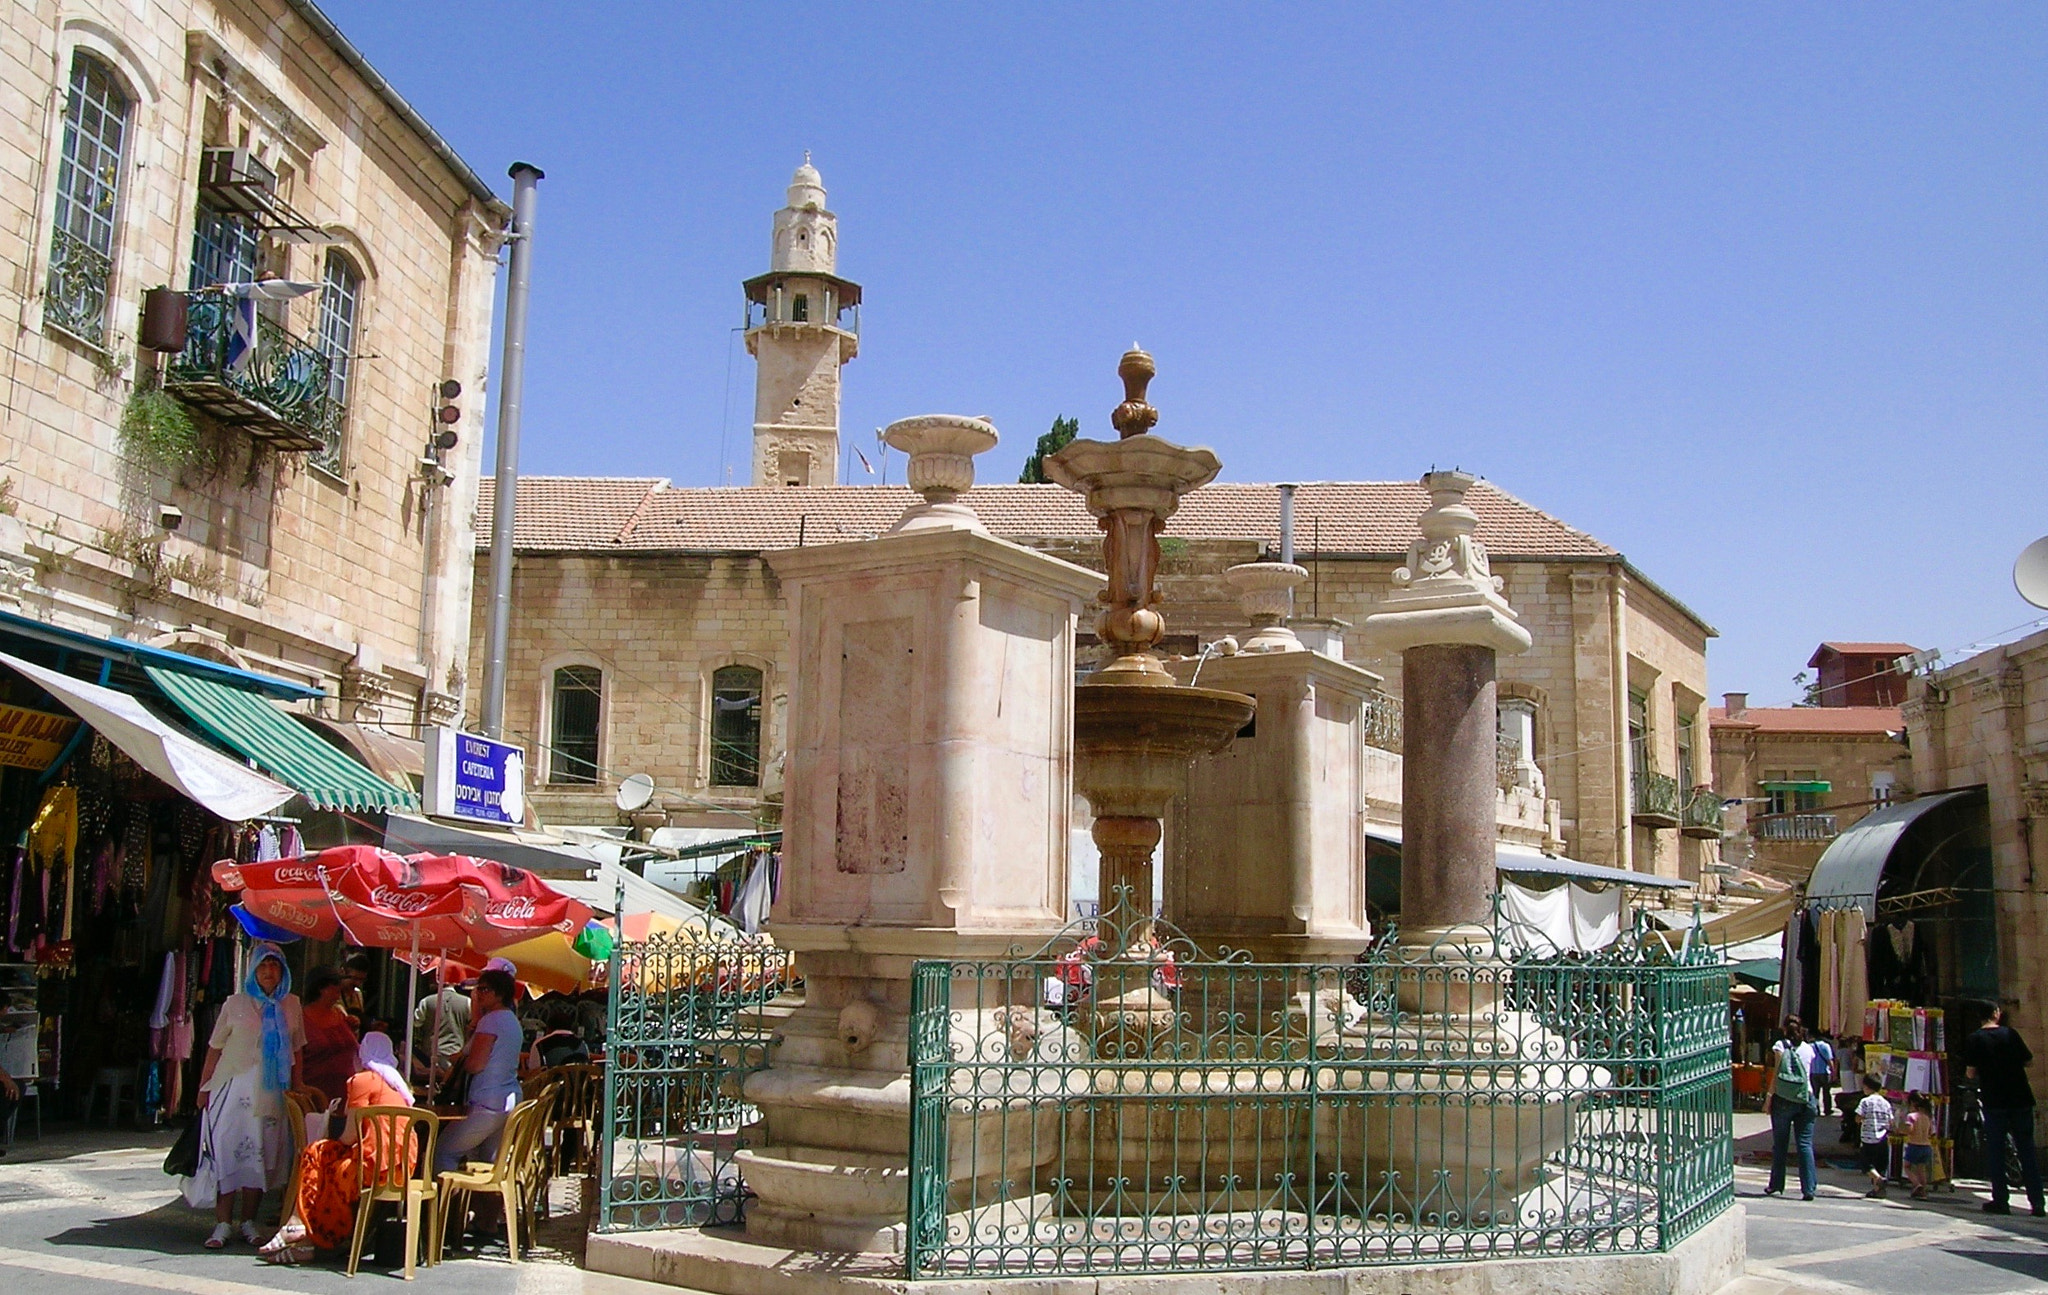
[1563, 919]
[222, 785]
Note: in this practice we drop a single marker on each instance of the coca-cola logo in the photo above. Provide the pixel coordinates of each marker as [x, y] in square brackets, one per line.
[521, 909]
[294, 876]
[288, 915]
[400, 901]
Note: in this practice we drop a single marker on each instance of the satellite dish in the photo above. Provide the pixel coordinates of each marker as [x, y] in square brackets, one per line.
[635, 790]
[2030, 573]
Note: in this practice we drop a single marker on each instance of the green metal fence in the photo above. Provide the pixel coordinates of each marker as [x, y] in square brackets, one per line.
[1106, 1108]
[689, 1019]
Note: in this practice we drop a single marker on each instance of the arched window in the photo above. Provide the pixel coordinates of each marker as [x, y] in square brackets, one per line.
[340, 301]
[736, 726]
[578, 705]
[88, 201]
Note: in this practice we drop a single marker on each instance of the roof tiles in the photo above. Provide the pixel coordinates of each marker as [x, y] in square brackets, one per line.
[646, 514]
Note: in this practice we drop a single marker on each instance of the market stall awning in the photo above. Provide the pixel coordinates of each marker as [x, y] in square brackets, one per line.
[1814, 785]
[1765, 917]
[200, 772]
[1524, 861]
[1853, 864]
[16, 628]
[279, 744]
[406, 834]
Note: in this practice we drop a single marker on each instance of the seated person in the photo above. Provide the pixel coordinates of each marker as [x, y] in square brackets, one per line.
[320, 1203]
[558, 1042]
[491, 1056]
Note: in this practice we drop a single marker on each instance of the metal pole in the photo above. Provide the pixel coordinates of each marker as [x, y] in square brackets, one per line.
[1286, 536]
[511, 390]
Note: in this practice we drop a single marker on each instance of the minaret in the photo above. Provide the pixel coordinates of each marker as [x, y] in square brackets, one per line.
[803, 322]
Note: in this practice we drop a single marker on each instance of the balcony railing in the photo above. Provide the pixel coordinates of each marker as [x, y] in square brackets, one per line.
[1796, 827]
[1657, 802]
[1383, 721]
[77, 297]
[279, 393]
[1702, 813]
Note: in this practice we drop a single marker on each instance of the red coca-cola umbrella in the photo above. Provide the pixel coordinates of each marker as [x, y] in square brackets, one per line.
[449, 903]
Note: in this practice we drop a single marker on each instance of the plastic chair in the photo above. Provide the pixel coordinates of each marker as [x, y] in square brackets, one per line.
[296, 1109]
[118, 1083]
[509, 1175]
[399, 1142]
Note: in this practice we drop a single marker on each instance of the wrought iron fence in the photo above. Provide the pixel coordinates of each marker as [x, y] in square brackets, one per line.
[1112, 1108]
[689, 1020]
[80, 275]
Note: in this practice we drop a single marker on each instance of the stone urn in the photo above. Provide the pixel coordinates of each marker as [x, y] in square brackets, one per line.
[941, 450]
[1265, 592]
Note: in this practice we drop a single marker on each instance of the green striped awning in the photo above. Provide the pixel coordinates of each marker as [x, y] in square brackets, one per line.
[280, 745]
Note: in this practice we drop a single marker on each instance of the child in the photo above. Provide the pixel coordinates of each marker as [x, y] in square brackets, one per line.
[1874, 1124]
[1919, 1126]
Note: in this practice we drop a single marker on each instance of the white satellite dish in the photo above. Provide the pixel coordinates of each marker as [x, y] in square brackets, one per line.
[2030, 573]
[635, 790]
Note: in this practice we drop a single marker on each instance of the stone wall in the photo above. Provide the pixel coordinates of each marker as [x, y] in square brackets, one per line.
[1984, 722]
[278, 565]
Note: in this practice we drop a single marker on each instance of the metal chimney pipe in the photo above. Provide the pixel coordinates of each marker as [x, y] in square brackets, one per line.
[1287, 534]
[511, 391]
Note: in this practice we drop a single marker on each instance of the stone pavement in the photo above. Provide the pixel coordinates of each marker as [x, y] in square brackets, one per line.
[94, 1207]
[1842, 1242]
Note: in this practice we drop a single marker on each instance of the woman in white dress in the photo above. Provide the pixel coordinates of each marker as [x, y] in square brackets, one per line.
[252, 1060]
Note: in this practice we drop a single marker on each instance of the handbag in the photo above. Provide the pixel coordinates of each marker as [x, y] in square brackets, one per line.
[183, 1159]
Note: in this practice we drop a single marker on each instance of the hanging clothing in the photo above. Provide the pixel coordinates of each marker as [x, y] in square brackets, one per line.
[750, 905]
[53, 847]
[1792, 971]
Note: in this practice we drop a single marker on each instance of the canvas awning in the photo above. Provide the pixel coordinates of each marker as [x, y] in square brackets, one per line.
[1765, 917]
[1525, 861]
[279, 744]
[200, 772]
[1852, 866]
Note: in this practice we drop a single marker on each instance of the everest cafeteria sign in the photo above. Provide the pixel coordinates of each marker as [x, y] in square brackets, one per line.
[30, 739]
[475, 778]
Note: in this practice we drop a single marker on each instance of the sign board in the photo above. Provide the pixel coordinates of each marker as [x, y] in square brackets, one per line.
[475, 778]
[30, 739]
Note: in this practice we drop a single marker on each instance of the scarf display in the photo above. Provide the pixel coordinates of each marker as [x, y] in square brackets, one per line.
[277, 1044]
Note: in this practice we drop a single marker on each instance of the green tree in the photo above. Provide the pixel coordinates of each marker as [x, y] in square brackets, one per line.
[1063, 431]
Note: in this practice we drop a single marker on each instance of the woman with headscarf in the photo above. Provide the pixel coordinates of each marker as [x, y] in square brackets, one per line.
[252, 1060]
[320, 1205]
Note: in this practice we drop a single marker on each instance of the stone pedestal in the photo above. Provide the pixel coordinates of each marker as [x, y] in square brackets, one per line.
[926, 815]
[1268, 849]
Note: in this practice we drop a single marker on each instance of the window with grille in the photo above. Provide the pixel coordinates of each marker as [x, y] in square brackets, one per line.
[224, 249]
[736, 727]
[88, 201]
[1638, 734]
[340, 300]
[578, 709]
[800, 308]
[1687, 725]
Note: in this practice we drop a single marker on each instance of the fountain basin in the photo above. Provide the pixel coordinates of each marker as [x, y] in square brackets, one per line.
[1132, 744]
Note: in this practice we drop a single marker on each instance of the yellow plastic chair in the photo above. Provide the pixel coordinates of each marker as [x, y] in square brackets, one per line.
[407, 1179]
[297, 1109]
[510, 1175]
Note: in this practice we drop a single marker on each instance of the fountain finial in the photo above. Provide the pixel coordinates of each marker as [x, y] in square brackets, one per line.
[1134, 417]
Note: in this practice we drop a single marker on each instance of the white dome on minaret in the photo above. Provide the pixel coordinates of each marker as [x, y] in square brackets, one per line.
[807, 187]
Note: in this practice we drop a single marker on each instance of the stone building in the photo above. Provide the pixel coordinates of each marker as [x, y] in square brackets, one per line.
[650, 635]
[304, 522]
[1979, 736]
[1803, 775]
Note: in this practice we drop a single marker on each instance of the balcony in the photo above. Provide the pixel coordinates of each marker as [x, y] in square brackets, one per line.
[1702, 816]
[1383, 721]
[278, 394]
[1795, 827]
[1657, 802]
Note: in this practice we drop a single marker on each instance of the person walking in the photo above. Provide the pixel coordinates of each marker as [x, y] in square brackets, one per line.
[252, 1060]
[1789, 1102]
[1997, 1059]
[1823, 1073]
[1874, 1129]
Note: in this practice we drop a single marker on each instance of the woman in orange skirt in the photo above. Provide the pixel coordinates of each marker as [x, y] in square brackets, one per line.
[321, 1201]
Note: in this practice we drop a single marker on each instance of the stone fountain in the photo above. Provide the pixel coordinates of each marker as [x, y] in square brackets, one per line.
[1135, 726]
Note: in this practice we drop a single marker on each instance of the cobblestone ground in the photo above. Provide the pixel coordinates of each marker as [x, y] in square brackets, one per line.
[92, 1210]
[1843, 1242]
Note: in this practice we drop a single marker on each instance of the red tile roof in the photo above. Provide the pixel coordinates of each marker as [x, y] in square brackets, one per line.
[646, 514]
[1867, 721]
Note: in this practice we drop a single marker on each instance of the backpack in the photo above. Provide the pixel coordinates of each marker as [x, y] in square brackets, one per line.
[1791, 1081]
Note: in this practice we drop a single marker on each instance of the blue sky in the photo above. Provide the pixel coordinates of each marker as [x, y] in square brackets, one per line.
[1759, 295]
